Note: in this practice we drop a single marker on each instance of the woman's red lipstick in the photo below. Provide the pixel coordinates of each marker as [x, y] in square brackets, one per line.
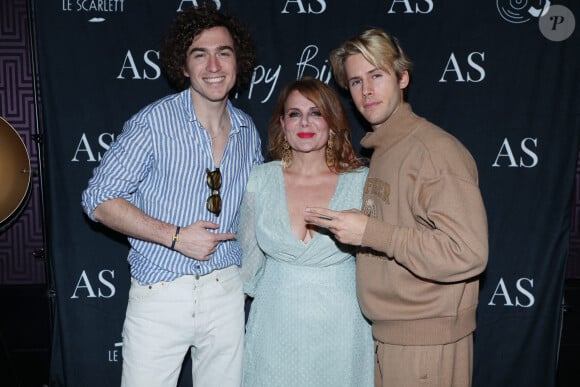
[305, 134]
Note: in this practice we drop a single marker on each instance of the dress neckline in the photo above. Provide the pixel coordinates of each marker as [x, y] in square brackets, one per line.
[286, 211]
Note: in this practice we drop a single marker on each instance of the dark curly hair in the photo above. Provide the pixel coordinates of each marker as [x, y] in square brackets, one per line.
[327, 100]
[187, 26]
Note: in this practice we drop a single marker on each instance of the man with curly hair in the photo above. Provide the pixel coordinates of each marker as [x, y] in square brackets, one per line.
[172, 183]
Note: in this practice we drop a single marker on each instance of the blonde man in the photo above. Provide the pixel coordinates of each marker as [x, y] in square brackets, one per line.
[423, 229]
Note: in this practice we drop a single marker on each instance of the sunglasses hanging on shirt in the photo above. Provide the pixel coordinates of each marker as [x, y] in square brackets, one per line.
[214, 182]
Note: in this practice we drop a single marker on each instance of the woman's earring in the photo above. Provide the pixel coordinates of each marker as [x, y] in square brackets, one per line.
[286, 154]
[330, 151]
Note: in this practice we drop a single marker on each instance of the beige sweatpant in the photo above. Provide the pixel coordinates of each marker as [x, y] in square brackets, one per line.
[449, 365]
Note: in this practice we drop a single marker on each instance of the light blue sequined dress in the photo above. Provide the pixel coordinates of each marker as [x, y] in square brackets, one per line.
[305, 328]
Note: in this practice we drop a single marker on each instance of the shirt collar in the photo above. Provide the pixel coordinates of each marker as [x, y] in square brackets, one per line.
[186, 101]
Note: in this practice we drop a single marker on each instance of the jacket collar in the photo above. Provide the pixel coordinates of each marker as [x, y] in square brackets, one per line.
[399, 125]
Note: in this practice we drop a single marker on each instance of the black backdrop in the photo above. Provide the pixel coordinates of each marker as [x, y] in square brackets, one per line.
[501, 75]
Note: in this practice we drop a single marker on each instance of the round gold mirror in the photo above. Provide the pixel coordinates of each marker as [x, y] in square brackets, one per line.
[14, 171]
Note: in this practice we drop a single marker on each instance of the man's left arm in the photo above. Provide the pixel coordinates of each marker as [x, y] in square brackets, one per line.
[449, 241]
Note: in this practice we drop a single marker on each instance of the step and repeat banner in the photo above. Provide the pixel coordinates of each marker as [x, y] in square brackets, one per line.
[501, 75]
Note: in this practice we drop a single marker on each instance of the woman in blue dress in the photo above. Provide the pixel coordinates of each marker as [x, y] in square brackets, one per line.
[305, 328]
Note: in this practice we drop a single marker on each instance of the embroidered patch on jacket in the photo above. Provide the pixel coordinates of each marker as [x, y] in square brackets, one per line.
[376, 191]
[369, 208]
[378, 188]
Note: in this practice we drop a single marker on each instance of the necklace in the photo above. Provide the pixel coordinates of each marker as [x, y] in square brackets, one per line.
[217, 135]
[221, 129]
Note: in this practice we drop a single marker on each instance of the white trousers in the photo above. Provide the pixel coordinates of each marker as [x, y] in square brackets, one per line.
[164, 320]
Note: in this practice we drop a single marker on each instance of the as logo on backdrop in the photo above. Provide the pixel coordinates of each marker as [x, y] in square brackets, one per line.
[145, 67]
[470, 69]
[95, 285]
[408, 6]
[189, 3]
[88, 151]
[522, 157]
[304, 6]
[516, 294]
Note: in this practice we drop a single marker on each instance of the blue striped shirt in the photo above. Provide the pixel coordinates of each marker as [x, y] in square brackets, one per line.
[158, 163]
